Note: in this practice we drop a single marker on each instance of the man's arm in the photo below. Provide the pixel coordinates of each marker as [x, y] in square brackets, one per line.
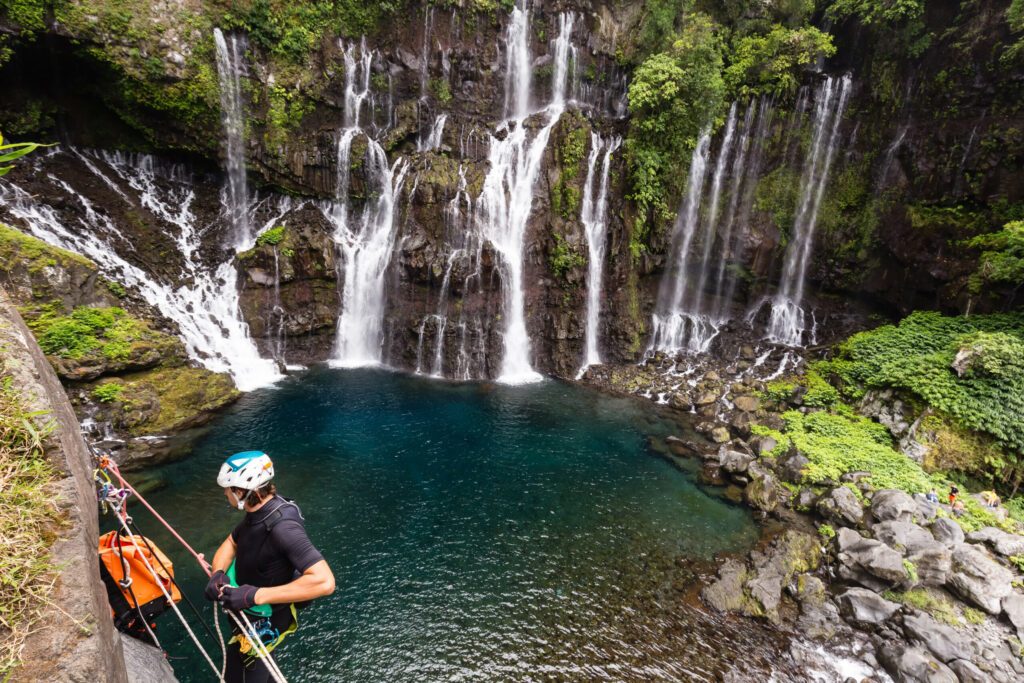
[315, 582]
[224, 555]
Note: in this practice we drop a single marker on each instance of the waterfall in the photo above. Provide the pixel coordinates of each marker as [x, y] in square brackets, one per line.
[506, 200]
[204, 306]
[230, 68]
[365, 236]
[787, 321]
[594, 215]
[433, 140]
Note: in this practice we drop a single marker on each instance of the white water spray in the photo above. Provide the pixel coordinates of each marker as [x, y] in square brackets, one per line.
[230, 69]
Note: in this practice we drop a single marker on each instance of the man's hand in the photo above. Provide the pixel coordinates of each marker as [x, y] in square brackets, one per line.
[217, 581]
[238, 599]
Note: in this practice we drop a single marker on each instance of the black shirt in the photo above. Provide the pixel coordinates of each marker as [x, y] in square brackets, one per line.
[271, 546]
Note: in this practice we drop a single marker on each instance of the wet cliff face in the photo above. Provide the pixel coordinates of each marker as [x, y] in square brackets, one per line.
[404, 123]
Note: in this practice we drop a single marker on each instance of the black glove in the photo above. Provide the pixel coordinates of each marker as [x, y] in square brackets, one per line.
[217, 579]
[240, 598]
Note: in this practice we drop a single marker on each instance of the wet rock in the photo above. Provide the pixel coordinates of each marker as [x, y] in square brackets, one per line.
[706, 398]
[945, 642]
[726, 593]
[818, 617]
[747, 404]
[806, 498]
[841, 505]
[734, 461]
[792, 553]
[1006, 544]
[720, 435]
[682, 448]
[947, 532]
[1013, 608]
[859, 555]
[680, 401]
[764, 491]
[907, 664]
[977, 578]
[865, 607]
[892, 504]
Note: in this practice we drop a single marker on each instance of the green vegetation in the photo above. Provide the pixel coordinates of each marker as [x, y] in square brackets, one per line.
[271, 237]
[871, 12]
[106, 332]
[1002, 257]
[911, 570]
[826, 532]
[11, 151]
[169, 399]
[564, 258]
[934, 603]
[565, 194]
[674, 95]
[108, 392]
[918, 354]
[18, 250]
[773, 62]
[442, 91]
[29, 520]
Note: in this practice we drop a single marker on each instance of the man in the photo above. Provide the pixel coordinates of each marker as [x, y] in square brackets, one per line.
[265, 566]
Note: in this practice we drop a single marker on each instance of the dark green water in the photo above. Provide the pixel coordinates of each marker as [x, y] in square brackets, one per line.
[477, 532]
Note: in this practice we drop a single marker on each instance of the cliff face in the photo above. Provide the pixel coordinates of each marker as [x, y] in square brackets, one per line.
[927, 155]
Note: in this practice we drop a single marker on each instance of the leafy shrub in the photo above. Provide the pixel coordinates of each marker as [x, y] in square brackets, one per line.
[108, 392]
[108, 331]
[1002, 257]
[773, 62]
[564, 258]
[911, 570]
[826, 532]
[935, 604]
[271, 237]
[917, 355]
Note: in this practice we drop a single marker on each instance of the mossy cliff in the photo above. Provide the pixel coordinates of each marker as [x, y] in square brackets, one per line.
[93, 328]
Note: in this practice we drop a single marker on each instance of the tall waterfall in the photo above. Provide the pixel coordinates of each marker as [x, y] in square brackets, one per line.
[506, 200]
[205, 303]
[694, 300]
[365, 234]
[230, 68]
[787, 322]
[594, 215]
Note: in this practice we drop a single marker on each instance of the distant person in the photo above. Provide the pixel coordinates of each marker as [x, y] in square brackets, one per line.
[265, 566]
[958, 508]
[953, 493]
[932, 496]
[991, 499]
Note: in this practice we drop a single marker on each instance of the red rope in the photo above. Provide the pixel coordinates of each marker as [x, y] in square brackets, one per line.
[199, 558]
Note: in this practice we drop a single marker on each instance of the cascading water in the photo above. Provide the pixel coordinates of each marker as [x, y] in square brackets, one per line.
[594, 215]
[230, 69]
[787, 324]
[694, 300]
[506, 200]
[365, 236]
[204, 307]
[433, 139]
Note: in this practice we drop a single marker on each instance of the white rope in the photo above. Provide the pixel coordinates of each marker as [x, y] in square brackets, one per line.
[181, 617]
[256, 642]
[220, 637]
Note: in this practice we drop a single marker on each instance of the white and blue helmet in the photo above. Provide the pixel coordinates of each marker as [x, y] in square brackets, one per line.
[247, 470]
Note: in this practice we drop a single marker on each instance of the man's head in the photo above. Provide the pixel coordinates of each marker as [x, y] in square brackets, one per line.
[246, 478]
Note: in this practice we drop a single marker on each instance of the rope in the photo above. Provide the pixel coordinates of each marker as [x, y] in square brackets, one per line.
[116, 500]
[123, 519]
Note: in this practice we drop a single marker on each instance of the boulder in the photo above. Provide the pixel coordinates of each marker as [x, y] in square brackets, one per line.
[841, 505]
[680, 400]
[792, 468]
[892, 504]
[1006, 544]
[947, 532]
[734, 461]
[706, 398]
[764, 444]
[979, 579]
[818, 616]
[933, 564]
[789, 554]
[865, 607]
[747, 404]
[720, 435]
[806, 498]
[945, 642]
[858, 555]
[764, 492]
[906, 537]
[1013, 608]
[145, 663]
[726, 593]
[968, 672]
[908, 664]
[926, 509]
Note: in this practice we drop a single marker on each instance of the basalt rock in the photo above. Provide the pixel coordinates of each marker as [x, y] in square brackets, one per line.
[1006, 544]
[865, 607]
[979, 579]
[908, 664]
[841, 506]
[947, 532]
[892, 504]
[945, 642]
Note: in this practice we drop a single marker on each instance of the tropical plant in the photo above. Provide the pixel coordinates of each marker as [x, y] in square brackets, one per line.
[14, 150]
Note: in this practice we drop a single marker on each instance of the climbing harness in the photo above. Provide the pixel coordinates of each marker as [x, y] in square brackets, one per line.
[258, 640]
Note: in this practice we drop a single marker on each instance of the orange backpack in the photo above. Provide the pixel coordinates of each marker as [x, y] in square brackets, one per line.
[134, 594]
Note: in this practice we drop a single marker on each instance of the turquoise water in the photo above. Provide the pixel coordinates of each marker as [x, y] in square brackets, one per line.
[477, 532]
